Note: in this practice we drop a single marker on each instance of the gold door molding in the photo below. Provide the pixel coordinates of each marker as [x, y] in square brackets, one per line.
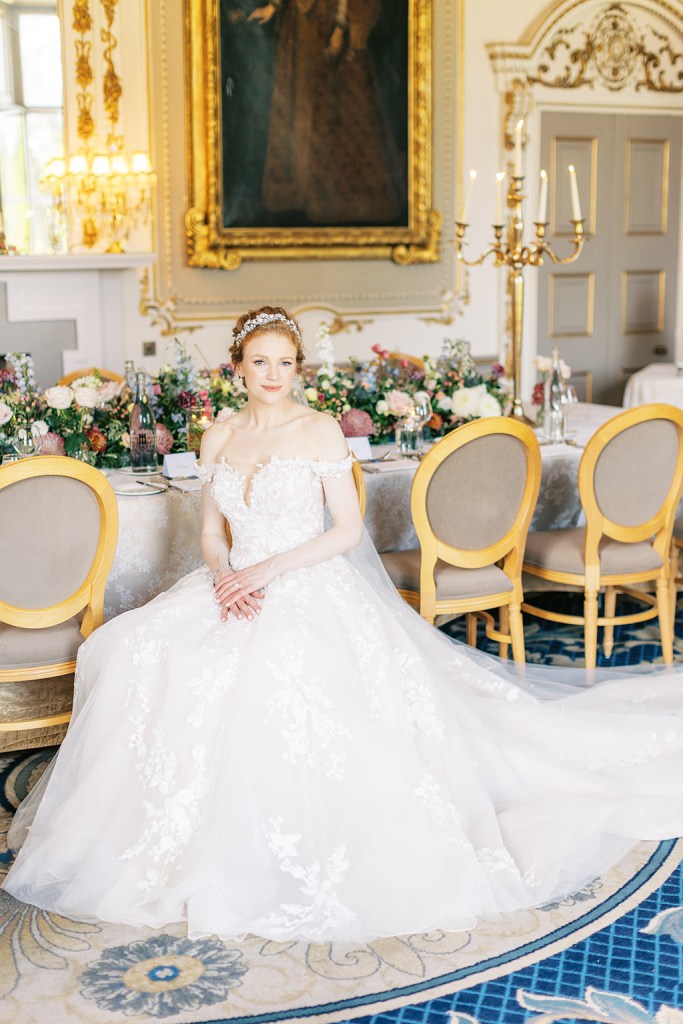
[216, 238]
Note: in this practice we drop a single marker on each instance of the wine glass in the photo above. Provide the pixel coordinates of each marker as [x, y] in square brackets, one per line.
[569, 399]
[26, 442]
[421, 414]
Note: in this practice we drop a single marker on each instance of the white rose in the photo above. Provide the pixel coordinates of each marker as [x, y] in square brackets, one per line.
[40, 427]
[86, 397]
[5, 413]
[382, 407]
[466, 401]
[324, 385]
[488, 406]
[59, 397]
[445, 403]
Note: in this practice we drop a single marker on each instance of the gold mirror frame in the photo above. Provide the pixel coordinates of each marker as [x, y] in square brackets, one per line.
[209, 244]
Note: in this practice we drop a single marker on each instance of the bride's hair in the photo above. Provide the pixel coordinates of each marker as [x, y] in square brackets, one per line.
[267, 319]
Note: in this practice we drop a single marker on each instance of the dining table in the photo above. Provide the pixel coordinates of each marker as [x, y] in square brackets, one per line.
[658, 382]
[159, 520]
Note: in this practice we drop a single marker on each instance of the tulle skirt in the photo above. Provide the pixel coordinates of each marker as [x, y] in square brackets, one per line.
[334, 769]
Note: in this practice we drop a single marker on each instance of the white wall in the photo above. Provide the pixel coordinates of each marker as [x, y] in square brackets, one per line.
[481, 320]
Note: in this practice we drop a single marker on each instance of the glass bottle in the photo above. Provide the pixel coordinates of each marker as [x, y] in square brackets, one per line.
[555, 416]
[129, 374]
[143, 429]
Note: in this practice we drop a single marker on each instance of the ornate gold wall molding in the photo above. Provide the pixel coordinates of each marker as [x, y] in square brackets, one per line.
[83, 72]
[614, 46]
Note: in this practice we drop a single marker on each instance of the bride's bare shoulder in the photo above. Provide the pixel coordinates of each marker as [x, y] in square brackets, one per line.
[323, 436]
[214, 440]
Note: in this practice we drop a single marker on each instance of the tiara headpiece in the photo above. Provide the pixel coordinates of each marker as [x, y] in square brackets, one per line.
[265, 318]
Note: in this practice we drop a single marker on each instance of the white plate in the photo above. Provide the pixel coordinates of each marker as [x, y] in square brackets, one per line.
[137, 487]
[129, 471]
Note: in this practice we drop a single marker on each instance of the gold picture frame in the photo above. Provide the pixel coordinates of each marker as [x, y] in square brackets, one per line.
[213, 244]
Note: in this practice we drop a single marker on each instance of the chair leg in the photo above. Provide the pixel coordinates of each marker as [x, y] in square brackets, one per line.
[504, 628]
[517, 634]
[610, 609]
[471, 629]
[665, 624]
[590, 627]
[674, 584]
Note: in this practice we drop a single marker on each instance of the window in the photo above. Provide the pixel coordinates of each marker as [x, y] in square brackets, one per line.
[31, 121]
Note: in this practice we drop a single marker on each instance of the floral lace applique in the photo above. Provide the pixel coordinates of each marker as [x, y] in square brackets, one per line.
[322, 910]
[443, 812]
[306, 713]
[500, 859]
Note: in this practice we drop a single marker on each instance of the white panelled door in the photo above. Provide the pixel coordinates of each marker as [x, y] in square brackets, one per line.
[613, 310]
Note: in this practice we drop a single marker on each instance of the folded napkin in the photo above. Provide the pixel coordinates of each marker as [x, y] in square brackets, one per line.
[191, 484]
[391, 466]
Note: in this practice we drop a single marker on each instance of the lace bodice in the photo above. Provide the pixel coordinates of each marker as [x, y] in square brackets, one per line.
[284, 506]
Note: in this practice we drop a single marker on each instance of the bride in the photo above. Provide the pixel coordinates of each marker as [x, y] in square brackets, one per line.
[279, 746]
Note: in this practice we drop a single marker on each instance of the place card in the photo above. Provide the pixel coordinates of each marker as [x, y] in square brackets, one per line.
[180, 464]
[360, 446]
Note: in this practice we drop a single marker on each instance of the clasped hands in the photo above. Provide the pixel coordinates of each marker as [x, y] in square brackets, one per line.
[241, 592]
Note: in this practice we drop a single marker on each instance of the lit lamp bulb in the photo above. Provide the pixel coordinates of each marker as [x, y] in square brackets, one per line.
[139, 164]
[78, 164]
[101, 165]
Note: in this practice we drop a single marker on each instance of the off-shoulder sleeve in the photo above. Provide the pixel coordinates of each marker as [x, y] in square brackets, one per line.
[333, 469]
[205, 473]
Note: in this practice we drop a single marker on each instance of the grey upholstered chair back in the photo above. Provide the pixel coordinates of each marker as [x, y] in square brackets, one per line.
[634, 472]
[474, 495]
[50, 528]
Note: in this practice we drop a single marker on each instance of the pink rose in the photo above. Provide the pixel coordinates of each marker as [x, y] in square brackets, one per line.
[399, 403]
[356, 423]
[5, 413]
[108, 391]
[224, 414]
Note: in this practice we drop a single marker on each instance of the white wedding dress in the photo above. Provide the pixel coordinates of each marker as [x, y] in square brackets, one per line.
[336, 768]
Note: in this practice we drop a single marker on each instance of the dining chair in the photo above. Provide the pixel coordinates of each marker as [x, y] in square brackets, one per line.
[62, 517]
[630, 480]
[359, 481]
[90, 371]
[676, 578]
[403, 357]
[472, 500]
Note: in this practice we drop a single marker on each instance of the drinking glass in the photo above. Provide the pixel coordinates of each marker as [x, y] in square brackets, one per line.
[26, 442]
[570, 399]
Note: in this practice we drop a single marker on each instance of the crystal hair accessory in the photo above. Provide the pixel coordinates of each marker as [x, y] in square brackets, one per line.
[265, 318]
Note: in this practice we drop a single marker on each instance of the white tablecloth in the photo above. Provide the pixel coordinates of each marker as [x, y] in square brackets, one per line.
[159, 533]
[658, 382]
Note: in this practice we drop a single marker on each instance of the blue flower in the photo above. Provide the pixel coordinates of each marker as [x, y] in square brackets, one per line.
[162, 976]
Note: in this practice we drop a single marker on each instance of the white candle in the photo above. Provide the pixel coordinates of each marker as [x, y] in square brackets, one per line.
[468, 196]
[542, 199]
[518, 148]
[499, 197]
[574, 193]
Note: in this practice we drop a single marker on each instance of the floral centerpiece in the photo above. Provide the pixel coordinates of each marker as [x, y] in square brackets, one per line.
[89, 419]
[372, 397]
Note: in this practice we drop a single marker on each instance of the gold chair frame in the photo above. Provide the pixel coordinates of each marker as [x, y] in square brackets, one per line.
[89, 595]
[507, 551]
[659, 526]
[89, 371]
[359, 481]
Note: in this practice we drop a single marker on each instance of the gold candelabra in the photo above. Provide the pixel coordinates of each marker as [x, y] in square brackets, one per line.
[515, 255]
